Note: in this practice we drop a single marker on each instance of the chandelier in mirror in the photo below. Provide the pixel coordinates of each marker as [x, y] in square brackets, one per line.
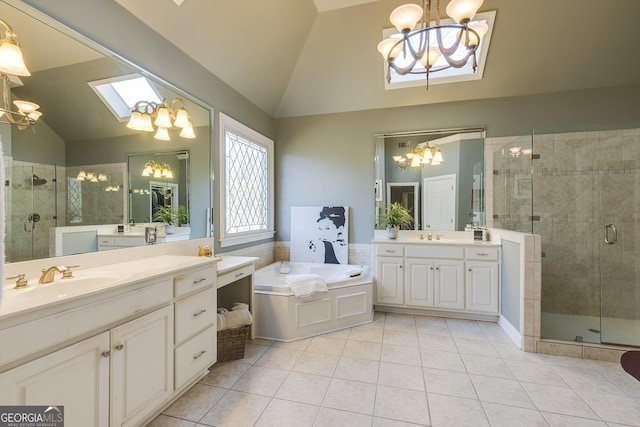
[156, 170]
[11, 68]
[423, 154]
[145, 114]
[420, 45]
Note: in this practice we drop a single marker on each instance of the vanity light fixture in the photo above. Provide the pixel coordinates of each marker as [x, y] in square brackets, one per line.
[91, 176]
[12, 65]
[419, 42]
[145, 114]
[423, 154]
[157, 170]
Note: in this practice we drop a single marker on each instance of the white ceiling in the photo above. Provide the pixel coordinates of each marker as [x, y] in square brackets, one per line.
[306, 57]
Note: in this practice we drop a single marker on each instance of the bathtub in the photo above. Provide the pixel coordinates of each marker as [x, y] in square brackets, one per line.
[279, 315]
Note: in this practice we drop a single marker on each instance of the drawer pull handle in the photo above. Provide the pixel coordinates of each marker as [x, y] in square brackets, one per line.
[390, 251]
[119, 347]
[482, 254]
[204, 310]
[239, 275]
[202, 279]
[106, 353]
[199, 355]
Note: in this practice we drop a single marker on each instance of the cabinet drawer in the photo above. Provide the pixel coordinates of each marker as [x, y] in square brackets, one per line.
[195, 313]
[483, 254]
[234, 275]
[389, 250]
[106, 241]
[435, 251]
[194, 356]
[195, 281]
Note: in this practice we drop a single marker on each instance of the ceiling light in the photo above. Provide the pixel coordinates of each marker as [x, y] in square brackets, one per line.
[12, 64]
[145, 114]
[419, 42]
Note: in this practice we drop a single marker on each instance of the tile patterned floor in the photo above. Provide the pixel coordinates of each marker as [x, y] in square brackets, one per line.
[405, 370]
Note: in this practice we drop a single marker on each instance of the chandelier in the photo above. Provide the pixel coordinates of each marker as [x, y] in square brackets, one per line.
[156, 170]
[419, 42]
[12, 65]
[423, 154]
[145, 114]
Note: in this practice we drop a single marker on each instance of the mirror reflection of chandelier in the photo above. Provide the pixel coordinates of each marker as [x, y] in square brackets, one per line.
[420, 43]
[157, 170]
[423, 154]
[145, 114]
[91, 176]
[12, 66]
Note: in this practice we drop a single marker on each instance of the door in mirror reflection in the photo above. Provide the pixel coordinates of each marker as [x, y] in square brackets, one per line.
[407, 194]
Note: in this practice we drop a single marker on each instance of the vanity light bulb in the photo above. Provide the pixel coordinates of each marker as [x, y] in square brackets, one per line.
[163, 119]
[182, 118]
[162, 134]
[26, 107]
[157, 173]
[187, 132]
[11, 60]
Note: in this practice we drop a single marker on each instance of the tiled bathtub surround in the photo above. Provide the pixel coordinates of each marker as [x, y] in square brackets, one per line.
[404, 370]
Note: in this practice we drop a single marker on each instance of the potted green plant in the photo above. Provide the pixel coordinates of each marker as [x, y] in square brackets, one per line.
[168, 217]
[183, 216]
[395, 217]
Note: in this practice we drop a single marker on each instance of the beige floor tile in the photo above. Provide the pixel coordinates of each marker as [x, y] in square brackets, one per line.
[351, 396]
[284, 413]
[357, 370]
[437, 342]
[316, 363]
[225, 374]
[279, 358]
[538, 373]
[509, 351]
[432, 326]
[261, 380]
[293, 345]
[385, 422]
[401, 376]
[406, 339]
[402, 404]
[195, 402]
[304, 388]
[559, 420]
[461, 328]
[441, 360]
[236, 409]
[613, 408]
[509, 416]
[327, 345]
[499, 390]
[451, 383]
[477, 347]
[489, 366]
[449, 411]
[559, 400]
[342, 334]
[362, 333]
[165, 421]
[336, 418]
[587, 379]
[401, 354]
[253, 351]
[362, 349]
[619, 377]
[400, 322]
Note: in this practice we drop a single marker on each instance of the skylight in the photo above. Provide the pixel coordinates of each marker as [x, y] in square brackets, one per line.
[450, 75]
[120, 94]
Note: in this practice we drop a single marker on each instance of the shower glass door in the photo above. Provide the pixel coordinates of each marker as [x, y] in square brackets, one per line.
[31, 210]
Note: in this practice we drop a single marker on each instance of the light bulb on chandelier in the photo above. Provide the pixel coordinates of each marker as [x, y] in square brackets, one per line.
[145, 114]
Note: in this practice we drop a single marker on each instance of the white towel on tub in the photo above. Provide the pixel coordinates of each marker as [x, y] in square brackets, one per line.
[305, 285]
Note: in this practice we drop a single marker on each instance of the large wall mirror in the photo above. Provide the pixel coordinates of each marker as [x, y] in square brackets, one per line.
[437, 174]
[79, 137]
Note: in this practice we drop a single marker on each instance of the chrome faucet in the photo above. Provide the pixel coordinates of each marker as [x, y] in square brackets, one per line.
[49, 273]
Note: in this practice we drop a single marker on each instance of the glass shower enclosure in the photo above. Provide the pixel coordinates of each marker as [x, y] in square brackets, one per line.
[580, 191]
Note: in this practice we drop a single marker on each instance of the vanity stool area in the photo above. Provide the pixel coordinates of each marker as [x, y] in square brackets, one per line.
[455, 277]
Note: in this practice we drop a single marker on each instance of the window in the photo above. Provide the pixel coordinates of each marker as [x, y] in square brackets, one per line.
[450, 75]
[120, 94]
[246, 185]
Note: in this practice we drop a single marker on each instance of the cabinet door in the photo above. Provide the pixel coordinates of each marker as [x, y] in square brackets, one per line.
[419, 282]
[449, 284]
[141, 366]
[76, 377]
[482, 287]
[389, 280]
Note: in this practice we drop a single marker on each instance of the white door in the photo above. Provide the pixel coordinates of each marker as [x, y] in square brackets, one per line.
[76, 377]
[141, 366]
[439, 203]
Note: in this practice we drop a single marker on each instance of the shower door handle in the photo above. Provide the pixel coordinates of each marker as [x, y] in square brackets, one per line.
[610, 234]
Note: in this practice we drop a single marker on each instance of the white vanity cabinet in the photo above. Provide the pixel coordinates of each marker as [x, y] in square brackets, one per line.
[457, 278]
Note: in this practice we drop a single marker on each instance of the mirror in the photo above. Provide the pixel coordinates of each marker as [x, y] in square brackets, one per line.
[78, 133]
[445, 196]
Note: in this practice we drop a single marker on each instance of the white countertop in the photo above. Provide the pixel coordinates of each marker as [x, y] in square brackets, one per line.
[230, 263]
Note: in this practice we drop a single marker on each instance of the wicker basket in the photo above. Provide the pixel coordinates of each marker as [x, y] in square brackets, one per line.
[231, 343]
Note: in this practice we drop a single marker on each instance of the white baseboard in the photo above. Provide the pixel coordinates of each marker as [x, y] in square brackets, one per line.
[512, 332]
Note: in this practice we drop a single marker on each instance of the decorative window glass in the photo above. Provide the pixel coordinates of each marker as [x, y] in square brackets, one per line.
[74, 201]
[246, 184]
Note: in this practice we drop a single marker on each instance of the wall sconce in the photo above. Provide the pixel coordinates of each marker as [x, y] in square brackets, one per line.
[12, 64]
[156, 170]
[145, 114]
